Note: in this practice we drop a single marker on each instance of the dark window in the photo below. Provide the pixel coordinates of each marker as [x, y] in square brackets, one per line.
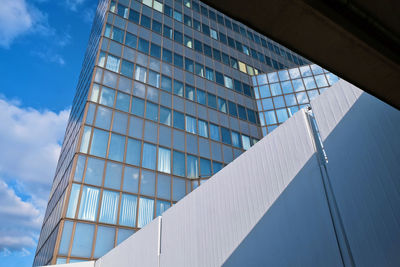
[207, 50]
[246, 89]
[178, 60]
[237, 85]
[204, 10]
[239, 46]
[242, 112]
[198, 46]
[234, 63]
[187, 20]
[166, 83]
[231, 42]
[189, 66]
[232, 109]
[197, 25]
[206, 29]
[145, 21]
[216, 54]
[252, 115]
[179, 120]
[167, 32]
[167, 55]
[157, 27]
[168, 11]
[222, 38]
[219, 78]
[235, 27]
[143, 46]
[212, 100]
[212, 15]
[225, 59]
[220, 19]
[134, 16]
[178, 88]
[178, 37]
[155, 50]
[130, 40]
[138, 106]
[226, 135]
[268, 61]
[196, 6]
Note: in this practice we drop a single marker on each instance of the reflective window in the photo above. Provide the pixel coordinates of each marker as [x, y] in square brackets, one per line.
[164, 186]
[83, 240]
[154, 78]
[203, 128]
[201, 97]
[138, 106]
[104, 240]
[73, 201]
[120, 122]
[179, 120]
[127, 68]
[165, 116]
[214, 132]
[112, 63]
[147, 183]
[179, 163]
[235, 139]
[65, 238]
[282, 115]
[152, 111]
[270, 117]
[146, 211]
[109, 207]
[192, 167]
[205, 167]
[222, 105]
[178, 88]
[80, 167]
[133, 152]
[162, 206]
[113, 175]
[179, 189]
[103, 118]
[191, 124]
[164, 160]
[117, 147]
[94, 171]
[149, 156]
[166, 83]
[123, 234]
[246, 142]
[131, 180]
[89, 203]
[127, 215]
[189, 92]
[226, 136]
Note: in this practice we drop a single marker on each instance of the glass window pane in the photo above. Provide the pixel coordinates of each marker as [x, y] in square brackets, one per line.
[161, 207]
[164, 186]
[127, 216]
[65, 238]
[226, 136]
[189, 92]
[149, 156]
[166, 83]
[80, 167]
[103, 118]
[73, 200]
[165, 116]
[178, 88]
[138, 106]
[282, 115]
[310, 83]
[83, 240]
[321, 81]
[99, 143]
[94, 171]
[130, 40]
[205, 168]
[201, 97]
[222, 105]
[146, 211]
[191, 125]
[112, 63]
[212, 100]
[192, 167]
[154, 78]
[127, 68]
[179, 120]
[104, 240]
[113, 175]
[302, 98]
[179, 189]
[245, 142]
[140, 74]
[235, 139]
[133, 152]
[89, 203]
[214, 132]
[107, 97]
[123, 234]
[164, 160]
[120, 122]
[217, 167]
[290, 100]
[298, 85]
[117, 147]
[203, 128]
[152, 111]
[109, 207]
[131, 180]
[85, 139]
[179, 163]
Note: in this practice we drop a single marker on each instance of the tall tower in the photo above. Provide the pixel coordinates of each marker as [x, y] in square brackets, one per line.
[164, 101]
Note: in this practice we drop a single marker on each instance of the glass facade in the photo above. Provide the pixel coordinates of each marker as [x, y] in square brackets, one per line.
[282, 93]
[164, 101]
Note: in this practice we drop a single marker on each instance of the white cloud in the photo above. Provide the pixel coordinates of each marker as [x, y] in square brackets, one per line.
[74, 4]
[17, 17]
[30, 142]
[50, 56]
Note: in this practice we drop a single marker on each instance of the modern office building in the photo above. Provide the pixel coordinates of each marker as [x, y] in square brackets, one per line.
[165, 100]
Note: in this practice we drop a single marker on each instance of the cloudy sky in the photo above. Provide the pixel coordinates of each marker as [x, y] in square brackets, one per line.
[42, 43]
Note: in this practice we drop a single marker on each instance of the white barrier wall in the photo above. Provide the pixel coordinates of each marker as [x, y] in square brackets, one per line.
[361, 136]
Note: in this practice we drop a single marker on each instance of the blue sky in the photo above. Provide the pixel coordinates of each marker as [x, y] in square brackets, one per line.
[42, 44]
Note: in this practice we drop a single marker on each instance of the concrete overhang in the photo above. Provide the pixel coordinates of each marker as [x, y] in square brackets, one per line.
[356, 39]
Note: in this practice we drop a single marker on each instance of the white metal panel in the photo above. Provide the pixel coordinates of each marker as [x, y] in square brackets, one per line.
[207, 226]
[361, 139]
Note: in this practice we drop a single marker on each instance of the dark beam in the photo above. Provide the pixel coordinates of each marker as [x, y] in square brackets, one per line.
[356, 39]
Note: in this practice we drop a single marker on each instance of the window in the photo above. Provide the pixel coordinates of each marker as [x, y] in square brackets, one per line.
[163, 186]
[205, 168]
[201, 97]
[73, 200]
[209, 74]
[189, 92]
[214, 34]
[207, 50]
[145, 21]
[228, 82]
[167, 32]
[147, 183]
[109, 207]
[131, 179]
[177, 15]
[178, 60]
[225, 59]
[242, 112]
[152, 111]
[178, 88]
[196, 25]
[99, 143]
[189, 65]
[133, 152]
[199, 69]
[123, 102]
[127, 68]
[166, 83]
[191, 124]
[123, 234]
[146, 211]
[282, 115]
[216, 54]
[235, 139]
[206, 29]
[85, 139]
[83, 240]
[138, 106]
[162, 206]
[113, 63]
[178, 37]
[178, 189]
[113, 175]
[270, 117]
[187, 20]
[66, 237]
[188, 41]
[155, 50]
[222, 105]
[212, 100]
[117, 147]
[203, 128]
[198, 46]
[168, 11]
[149, 156]
[192, 167]
[89, 203]
[167, 55]
[232, 109]
[179, 120]
[164, 160]
[252, 115]
[165, 116]
[246, 142]
[226, 136]
[104, 240]
[143, 46]
[103, 118]
[157, 26]
[94, 172]
[134, 16]
[140, 74]
[179, 163]
[127, 216]
[214, 132]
